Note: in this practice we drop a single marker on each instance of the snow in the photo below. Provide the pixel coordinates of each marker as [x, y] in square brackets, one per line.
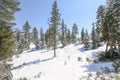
[40, 64]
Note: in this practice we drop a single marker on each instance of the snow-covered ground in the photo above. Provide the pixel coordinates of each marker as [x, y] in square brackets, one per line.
[40, 64]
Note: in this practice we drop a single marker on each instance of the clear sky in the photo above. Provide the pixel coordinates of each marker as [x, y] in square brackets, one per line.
[37, 12]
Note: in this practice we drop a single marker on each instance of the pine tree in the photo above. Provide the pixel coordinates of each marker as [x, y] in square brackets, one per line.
[26, 31]
[35, 37]
[111, 25]
[18, 38]
[66, 33]
[94, 37]
[116, 11]
[74, 33]
[68, 36]
[63, 34]
[100, 18]
[86, 40]
[54, 23]
[48, 38]
[42, 39]
[105, 31]
[6, 22]
[82, 36]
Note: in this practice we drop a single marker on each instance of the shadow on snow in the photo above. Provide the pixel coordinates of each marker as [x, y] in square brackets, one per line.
[31, 63]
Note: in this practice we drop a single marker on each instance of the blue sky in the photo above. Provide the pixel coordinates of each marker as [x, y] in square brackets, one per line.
[37, 12]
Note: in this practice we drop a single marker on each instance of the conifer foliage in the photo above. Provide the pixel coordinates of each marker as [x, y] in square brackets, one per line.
[19, 39]
[42, 39]
[48, 38]
[82, 36]
[68, 36]
[94, 38]
[86, 39]
[74, 32]
[35, 37]
[111, 26]
[54, 23]
[7, 10]
[63, 34]
[26, 31]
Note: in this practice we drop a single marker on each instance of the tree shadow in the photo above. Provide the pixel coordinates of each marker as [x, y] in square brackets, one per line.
[83, 49]
[31, 63]
[76, 44]
[31, 50]
[44, 51]
[95, 67]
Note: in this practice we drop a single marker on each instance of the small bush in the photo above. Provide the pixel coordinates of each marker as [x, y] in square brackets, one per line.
[116, 65]
[38, 75]
[79, 59]
[89, 76]
[24, 78]
[106, 70]
[105, 56]
[100, 76]
[88, 59]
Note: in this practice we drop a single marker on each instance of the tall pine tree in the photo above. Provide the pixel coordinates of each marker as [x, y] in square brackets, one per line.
[35, 37]
[7, 11]
[42, 39]
[63, 34]
[68, 36]
[82, 36]
[49, 38]
[54, 23]
[94, 37]
[26, 31]
[86, 40]
[111, 25]
[74, 32]
[100, 18]
[18, 38]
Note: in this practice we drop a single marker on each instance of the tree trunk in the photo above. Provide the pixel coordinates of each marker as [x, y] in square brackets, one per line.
[54, 46]
[106, 47]
[111, 46]
[119, 46]
[54, 52]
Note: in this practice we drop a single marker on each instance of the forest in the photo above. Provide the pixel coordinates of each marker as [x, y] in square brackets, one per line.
[106, 30]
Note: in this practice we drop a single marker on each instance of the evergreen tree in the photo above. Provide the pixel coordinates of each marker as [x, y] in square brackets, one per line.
[26, 31]
[111, 25]
[68, 36]
[18, 38]
[63, 34]
[82, 36]
[74, 33]
[17, 35]
[35, 37]
[94, 37]
[54, 23]
[100, 18]
[42, 39]
[116, 24]
[48, 38]
[6, 22]
[86, 40]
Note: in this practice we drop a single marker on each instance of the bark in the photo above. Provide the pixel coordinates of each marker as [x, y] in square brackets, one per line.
[106, 47]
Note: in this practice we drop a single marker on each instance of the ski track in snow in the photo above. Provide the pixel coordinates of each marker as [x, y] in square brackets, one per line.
[39, 64]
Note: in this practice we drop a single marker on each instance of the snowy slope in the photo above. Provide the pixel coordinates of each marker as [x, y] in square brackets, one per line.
[40, 64]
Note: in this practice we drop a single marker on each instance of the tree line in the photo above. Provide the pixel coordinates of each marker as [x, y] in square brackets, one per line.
[105, 29]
